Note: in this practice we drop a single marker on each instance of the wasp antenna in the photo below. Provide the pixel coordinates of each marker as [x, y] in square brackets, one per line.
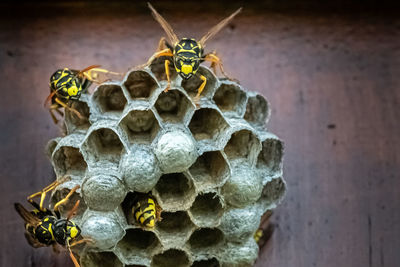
[214, 30]
[165, 25]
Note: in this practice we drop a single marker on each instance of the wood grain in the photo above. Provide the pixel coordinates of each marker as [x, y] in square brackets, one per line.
[331, 77]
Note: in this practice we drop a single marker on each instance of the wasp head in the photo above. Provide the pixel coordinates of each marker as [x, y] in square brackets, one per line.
[187, 57]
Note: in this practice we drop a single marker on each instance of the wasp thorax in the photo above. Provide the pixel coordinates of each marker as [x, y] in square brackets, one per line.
[187, 57]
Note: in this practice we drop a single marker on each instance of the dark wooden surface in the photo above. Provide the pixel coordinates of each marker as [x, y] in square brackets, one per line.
[331, 77]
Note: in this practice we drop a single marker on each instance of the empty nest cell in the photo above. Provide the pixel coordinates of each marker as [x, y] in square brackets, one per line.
[207, 209]
[207, 123]
[158, 68]
[69, 160]
[100, 259]
[103, 144]
[176, 224]
[109, 98]
[273, 192]
[171, 258]
[229, 97]
[137, 243]
[257, 110]
[206, 263]
[270, 157]
[175, 191]
[73, 121]
[140, 125]
[209, 170]
[192, 84]
[173, 106]
[243, 145]
[205, 238]
[140, 84]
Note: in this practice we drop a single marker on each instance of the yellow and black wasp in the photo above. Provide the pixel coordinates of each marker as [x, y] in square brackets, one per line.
[68, 85]
[45, 227]
[186, 54]
[145, 210]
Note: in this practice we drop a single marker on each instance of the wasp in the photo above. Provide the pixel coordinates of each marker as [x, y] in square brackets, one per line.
[265, 230]
[187, 54]
[68, 85]
[45, 227]
[146, 210]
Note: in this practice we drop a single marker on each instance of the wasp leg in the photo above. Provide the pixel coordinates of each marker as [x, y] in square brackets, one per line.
[74, 260]
[84, 240]
[163, 53]
[69, 108]
[215, 60]
[167, 73]
[45, 190]
[65, 199]
[55, 120]
[201, 88]
[162, 44]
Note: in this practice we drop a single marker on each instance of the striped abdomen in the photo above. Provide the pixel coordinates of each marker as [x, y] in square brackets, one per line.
[145, 212]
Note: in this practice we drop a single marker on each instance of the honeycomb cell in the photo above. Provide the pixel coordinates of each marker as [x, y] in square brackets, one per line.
[192, 85]
[205, 238]
[158, 69]
[140, 84]
[175, 151]
[175, 191]
[137, 246]
[210, 170]
[174, 227]
[272, 193]
[173, 106]
[257, 110]
[69, 161]
[104, 228]
[103, 192]
[207, 123]
[140, 125]
[100, 259]
[243, 146]
[140, 168]
[206, 263]
[171, 258]
[60, 193]
[109, 98]
[103, 144]
[239, 254]
[239, 224]
[243, 187]
[230, 98]
[207, 210]
[270, 158]
[73, 121]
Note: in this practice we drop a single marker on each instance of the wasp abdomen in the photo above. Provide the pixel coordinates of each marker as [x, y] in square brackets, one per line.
[145, 212]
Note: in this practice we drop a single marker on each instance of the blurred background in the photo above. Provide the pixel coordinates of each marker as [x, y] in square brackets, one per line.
[330, 72]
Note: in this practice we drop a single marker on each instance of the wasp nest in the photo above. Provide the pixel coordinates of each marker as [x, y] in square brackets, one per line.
[212, 167]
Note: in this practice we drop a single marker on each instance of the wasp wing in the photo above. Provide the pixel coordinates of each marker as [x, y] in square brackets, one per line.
[32, 241]
[26, 215]
[165, 25]
[214, 30]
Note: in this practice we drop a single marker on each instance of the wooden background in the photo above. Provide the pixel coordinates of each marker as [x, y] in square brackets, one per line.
[330, 72]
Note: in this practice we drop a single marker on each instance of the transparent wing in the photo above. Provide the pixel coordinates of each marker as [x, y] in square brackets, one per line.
[165, 25]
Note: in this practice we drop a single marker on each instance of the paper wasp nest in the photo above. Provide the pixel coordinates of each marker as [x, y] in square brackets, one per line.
[213, 169]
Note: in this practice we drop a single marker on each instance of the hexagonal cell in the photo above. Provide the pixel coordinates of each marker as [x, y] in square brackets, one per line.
[206, 263]
[64, 209]
[173, 106]
[140, 84]
[243, 145]
[140, 125]
[205, 237]
[210, 170]
[207, 123]
[174, 226]
[171, 258]
[158, 69]
[272, 193]
[69, 161]
[270, 158]
[137, 245]
[109, 98]
[73, 122]
[229, 97]
[103, 144]
[100, 259]
[207, 210]
[257, 110]
[192, 84]
[175, 191]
